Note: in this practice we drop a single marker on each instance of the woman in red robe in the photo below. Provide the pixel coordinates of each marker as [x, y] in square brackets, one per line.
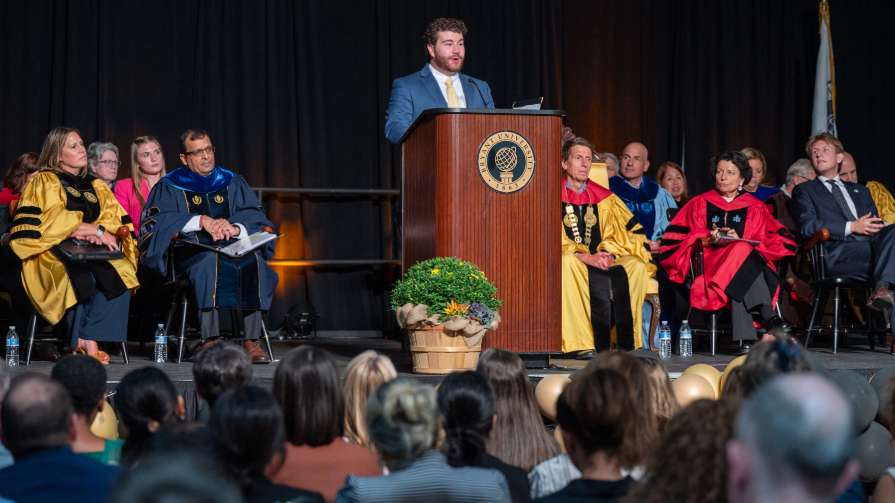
[741, 242]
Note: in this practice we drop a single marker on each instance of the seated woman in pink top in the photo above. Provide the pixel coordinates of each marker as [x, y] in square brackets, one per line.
[147, 168]
[318, 458]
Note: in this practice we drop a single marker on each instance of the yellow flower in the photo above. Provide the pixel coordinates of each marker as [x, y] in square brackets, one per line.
[456, 309]
[436, 271]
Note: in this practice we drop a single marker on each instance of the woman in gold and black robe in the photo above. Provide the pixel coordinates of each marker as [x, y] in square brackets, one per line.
[63, 203]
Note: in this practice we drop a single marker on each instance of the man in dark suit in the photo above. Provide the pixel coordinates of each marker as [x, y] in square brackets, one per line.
[38, 427]
[861, 244]
[439, 84]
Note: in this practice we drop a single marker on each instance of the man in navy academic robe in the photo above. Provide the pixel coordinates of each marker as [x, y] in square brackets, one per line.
[202, 202]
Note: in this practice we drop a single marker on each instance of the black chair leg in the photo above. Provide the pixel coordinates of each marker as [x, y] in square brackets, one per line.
[185, 304]
[124, 352]
[267, 340]
[836, 302]
[818, 301]
[32, 328]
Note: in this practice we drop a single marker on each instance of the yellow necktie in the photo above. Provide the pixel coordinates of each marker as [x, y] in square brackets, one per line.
[452, 99]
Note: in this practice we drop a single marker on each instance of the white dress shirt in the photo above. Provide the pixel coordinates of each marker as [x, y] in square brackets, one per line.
[455, 79]
[848, 200]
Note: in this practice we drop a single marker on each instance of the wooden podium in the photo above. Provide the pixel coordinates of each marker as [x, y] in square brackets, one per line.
[460, 198]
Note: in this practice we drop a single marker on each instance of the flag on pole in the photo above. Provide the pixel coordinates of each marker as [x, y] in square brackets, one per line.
[823, 117]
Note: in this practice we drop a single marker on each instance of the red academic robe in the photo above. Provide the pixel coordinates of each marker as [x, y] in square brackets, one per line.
[748, 216]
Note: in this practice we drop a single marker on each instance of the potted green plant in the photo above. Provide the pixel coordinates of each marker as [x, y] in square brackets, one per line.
[446, 305]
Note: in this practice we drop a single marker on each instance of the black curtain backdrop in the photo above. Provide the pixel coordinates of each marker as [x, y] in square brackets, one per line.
[294, 92]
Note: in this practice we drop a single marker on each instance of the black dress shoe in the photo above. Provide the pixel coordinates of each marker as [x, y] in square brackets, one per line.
[777, 326]
[585, 354]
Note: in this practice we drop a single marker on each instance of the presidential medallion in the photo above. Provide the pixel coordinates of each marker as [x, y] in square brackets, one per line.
[506, 161]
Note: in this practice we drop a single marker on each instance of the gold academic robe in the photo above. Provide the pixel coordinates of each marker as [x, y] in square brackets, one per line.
[42, 220]
[882, 198]
[621, 235]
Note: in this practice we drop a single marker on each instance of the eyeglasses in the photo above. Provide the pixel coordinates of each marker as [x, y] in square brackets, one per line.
[202, 151]
[110, 163]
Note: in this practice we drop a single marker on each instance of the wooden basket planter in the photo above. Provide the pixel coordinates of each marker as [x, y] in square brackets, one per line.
[436, 352]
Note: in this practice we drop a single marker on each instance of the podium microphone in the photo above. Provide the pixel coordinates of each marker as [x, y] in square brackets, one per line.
[482, 96]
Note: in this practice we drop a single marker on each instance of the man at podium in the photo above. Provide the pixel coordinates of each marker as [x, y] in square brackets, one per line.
[605, 263]
[201, 202]
[439, 84]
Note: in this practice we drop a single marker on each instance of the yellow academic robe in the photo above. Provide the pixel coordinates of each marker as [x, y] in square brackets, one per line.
[42, 221]
[882, 198]
[628, 247]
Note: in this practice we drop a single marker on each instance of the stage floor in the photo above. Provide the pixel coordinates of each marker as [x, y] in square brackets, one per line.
[857, 356]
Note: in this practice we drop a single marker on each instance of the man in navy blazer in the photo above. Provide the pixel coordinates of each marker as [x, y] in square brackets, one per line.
[439, 84]
[861, 244]
[38, 428]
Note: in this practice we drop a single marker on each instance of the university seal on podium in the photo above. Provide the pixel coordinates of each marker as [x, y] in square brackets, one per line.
[506, 161]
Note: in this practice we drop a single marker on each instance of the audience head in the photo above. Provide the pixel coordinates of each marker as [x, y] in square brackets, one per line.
[518, 437]
[20, 171]
[103, 160]
[145, 400]
[306, 385]
[147, 158]
[826, 153]
[466, 403]
[759, 166]
[198, 151]
[664, 401]
[798, 173]
[63, 151]
[634, 162]
[595, 412]
[612, 163]
[174, 478]
[191, 437]
[793, 441]
[577, 155]
[671, 177]
[84, 378]
[36, 415]
[402, 420]
[445, 44]
[5, 378]
[766, 360]
[220, 367]
[848, 170]
[247, 426]
[365, 372]
[731, 172]
[640, 441]
[694, 441]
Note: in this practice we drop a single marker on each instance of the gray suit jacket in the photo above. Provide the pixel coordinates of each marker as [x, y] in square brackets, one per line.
[429, 478]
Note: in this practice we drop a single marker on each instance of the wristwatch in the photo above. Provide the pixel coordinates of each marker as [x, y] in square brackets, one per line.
[100, 230]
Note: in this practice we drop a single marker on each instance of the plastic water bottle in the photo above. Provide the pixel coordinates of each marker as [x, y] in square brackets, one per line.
[664, 341]
[685, 340]
[12, 347]
[161, 345]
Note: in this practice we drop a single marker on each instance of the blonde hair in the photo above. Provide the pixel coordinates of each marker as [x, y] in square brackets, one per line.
[365, 373]
[754, 153]
[136, 174]
[52, 148]
[663, 397]
[402, 418]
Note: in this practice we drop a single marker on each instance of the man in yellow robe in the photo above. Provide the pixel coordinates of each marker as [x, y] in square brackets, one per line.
[605, 263]
[882, 198]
